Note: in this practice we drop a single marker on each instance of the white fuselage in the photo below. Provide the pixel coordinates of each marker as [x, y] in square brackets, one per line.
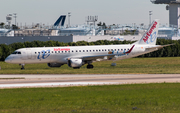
[61, 54]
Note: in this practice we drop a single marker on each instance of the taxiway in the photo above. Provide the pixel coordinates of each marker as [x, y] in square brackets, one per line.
[65, 80]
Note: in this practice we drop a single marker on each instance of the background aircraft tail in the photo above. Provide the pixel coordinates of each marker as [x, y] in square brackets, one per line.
[150, 36]
[60, 19]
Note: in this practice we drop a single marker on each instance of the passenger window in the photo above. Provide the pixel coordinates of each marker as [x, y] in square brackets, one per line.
[93, 50]
[55, 51]
[89, 50]
[62, 51]
[35, 52]
[105, 49]
[99, 50]
[115, 50]
[102, 49]
[86, 50]
[83, 50]
[108, 49]
[79, 50]
[118, 49]
[52, 51]
[76, 50]
[96, 50]
[72, 51]
[59, 51]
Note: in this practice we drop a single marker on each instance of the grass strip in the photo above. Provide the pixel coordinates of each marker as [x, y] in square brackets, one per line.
[161, 65]
[141, 98]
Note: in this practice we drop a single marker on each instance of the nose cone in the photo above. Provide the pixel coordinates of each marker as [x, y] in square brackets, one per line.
[8, 59]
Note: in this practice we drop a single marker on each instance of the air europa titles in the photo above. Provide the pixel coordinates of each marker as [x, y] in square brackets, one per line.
[147, 35]
[61, 49]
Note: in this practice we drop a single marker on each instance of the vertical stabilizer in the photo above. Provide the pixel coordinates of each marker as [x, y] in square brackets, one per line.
[150, 36]
[61, 20]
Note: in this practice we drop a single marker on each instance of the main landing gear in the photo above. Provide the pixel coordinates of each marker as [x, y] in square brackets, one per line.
[90, 66]
[22, 66]
[76, 67]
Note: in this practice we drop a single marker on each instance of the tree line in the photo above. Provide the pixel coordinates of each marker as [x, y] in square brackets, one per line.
[170, 51]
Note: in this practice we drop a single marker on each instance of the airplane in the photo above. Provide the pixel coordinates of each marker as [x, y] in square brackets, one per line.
[77, 56]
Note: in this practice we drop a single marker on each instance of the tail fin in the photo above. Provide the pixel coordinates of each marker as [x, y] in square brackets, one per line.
[62, 17]
[150, 36]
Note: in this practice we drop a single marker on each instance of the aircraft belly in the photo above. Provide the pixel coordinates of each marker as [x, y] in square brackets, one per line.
[60, 59]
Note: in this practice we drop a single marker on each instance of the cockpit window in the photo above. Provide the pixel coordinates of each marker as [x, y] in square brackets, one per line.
[16, 52]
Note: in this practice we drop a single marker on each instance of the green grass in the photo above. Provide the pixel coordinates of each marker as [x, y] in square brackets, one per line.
[166, 65]
[138, 98]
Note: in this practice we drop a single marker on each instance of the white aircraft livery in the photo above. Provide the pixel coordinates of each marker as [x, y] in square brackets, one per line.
[77, 56]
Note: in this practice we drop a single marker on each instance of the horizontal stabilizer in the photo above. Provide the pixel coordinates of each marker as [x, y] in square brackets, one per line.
[157, 47]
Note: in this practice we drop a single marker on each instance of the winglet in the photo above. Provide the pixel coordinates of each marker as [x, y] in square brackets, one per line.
[130, 49]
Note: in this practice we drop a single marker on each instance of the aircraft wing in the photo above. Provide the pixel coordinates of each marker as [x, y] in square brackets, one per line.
[105, 55]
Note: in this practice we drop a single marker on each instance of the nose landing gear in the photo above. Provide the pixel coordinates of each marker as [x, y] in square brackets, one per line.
[22, 66]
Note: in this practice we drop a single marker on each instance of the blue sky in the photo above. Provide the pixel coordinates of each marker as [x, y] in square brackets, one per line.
[108, 11]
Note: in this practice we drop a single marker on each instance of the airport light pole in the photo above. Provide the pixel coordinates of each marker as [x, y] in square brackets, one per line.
[15, 16]
[150, 13]
[69, 14]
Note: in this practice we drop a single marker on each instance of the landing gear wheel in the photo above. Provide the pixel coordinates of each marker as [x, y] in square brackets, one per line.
[90, 66]
[76, 67]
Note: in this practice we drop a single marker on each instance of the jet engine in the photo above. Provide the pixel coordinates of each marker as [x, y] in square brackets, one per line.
[75, 63]
[54, 64]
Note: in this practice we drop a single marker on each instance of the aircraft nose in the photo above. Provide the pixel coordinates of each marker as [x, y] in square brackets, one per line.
[8, 59]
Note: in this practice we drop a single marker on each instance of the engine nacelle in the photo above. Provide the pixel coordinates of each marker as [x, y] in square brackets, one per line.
[75, 62]
[54, 64]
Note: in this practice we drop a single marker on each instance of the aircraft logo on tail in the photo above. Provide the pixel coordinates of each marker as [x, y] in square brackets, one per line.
[148, 34]
[150, 37]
